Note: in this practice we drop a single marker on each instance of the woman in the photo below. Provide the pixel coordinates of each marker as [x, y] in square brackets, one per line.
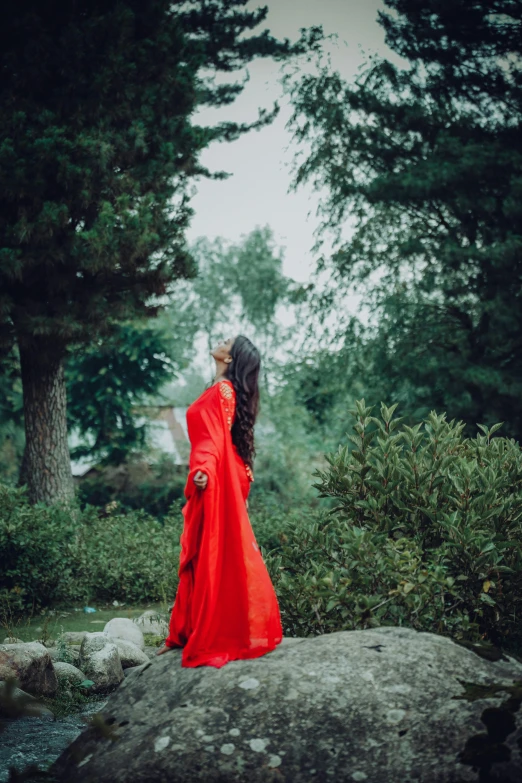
[226, 607]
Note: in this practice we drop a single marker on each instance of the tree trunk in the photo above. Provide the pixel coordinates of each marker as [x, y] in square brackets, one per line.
[46, 464]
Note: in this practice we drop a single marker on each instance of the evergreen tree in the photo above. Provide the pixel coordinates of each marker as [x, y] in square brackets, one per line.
[97, 149]
[426, 159]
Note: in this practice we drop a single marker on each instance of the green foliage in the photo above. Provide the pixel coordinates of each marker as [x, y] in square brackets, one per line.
[420, 351]
[11, 417]
[36, 548]
[270, 515]
[54, 555]
[423, 159]
[94, 202]
[109, 379]
[289, 447]
[63, 651]
[426, 532]
[259, 278]
[98, 148]
[135, 485]
[153, 640]
[129, 555]
[107, 382]
[239, 282]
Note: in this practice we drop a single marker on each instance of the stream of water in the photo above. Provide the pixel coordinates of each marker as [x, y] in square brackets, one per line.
[41, 740]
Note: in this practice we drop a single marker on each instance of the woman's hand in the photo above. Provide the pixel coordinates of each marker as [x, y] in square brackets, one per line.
[200, 479]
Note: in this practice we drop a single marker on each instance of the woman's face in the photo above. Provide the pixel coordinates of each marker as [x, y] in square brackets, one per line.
[222, 350]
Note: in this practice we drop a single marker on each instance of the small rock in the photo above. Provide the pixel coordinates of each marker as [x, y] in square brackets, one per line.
[32, 666]
[123, 628]
[68, 674]
[16, 703]
[100, 660]
[130, 654]
[151, 622]
[73, 637]
[13, 640]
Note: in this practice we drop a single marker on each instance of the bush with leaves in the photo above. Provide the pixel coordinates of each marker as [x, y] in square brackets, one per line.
[270, 516]
[36, 550]
[54, 555]
[128, 555]
[426, 532]
[136, 484]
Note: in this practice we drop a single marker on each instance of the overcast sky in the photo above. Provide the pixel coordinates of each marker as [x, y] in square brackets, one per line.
[259, 162]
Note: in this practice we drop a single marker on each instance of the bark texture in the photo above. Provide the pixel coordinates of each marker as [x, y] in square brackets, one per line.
[46, 465]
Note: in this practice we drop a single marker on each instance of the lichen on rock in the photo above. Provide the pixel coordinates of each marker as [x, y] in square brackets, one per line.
[386, 705]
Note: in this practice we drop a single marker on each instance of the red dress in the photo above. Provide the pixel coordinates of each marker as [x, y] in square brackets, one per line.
[225, 607]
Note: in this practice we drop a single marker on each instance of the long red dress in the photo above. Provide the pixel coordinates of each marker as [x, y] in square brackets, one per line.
[225, 607]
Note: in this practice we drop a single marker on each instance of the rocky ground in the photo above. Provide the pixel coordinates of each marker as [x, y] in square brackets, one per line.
[39, 741]
[80, 670]
[383, 705]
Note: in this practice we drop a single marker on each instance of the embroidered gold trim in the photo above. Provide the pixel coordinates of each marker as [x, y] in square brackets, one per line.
[228, 400]
[225, 390]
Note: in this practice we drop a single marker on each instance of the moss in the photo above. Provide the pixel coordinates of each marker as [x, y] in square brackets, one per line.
[483, 649]
[473, 691]
[152, 640]
[70, 702]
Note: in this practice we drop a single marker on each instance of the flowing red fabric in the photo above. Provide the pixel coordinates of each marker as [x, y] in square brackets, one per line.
[225, 606]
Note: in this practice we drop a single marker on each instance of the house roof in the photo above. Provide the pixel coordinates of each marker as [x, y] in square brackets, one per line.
[166, 434]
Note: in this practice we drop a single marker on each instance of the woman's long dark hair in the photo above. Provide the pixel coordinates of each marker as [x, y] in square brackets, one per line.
[243, 371]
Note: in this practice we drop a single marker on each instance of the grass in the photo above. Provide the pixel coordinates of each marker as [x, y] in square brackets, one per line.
[71, 702]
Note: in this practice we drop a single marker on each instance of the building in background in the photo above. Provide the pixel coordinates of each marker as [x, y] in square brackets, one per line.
[166, 433]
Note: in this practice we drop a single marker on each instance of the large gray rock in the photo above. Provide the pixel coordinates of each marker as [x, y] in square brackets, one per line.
[123, 628]
[31, 664]
[100, 662]
[386, 705]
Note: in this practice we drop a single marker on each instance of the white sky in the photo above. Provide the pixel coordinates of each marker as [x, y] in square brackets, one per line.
[257, 192]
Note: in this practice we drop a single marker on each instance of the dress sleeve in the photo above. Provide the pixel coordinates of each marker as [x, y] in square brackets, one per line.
[228, 400]
[207, 440]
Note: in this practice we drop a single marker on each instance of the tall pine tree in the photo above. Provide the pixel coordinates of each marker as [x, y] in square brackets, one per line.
[426, 159]
[97, 148]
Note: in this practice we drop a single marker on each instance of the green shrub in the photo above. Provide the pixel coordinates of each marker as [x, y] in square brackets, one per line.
[269, 518]
[426, 532]
[54, 555]
[129, 555]
[135, 485]
[37, 545]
